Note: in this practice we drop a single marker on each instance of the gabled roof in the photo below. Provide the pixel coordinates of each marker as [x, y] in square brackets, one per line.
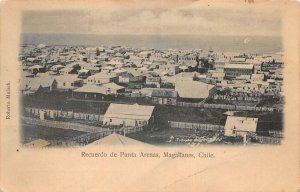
[36, 67]
[119, 140]
[103, 75]
[126, 111]
[103, 89]
[193, 89]
[34, 83]
[238, 66]
[113, 86]
[167, 93]
[91, 89]
[241, 123]
[39, 143]
[67, 78]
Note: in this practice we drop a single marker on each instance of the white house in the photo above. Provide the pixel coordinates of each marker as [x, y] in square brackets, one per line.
[101, 78]
[239, 126]
[68, 82]
[127, 115]
[56, 68]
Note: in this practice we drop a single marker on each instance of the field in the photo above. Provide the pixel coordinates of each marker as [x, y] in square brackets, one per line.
[32, 132]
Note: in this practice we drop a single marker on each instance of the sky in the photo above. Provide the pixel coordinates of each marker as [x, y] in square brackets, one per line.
[184, 20]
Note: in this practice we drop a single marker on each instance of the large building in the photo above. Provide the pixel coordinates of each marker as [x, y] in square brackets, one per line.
[235, 70]
[194, 90]
[127, 115]
[97, 91]
[102, 78]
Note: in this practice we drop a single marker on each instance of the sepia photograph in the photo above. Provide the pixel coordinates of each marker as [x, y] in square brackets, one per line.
[212, 76]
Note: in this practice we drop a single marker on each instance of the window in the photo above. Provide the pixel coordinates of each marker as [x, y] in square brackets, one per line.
[64, 84]
[110, 120]
[140, 122]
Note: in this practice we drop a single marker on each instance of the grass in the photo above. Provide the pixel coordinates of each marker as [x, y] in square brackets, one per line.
[41, 132]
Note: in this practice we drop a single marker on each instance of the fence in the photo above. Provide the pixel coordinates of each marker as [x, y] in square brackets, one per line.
[64, 114]
[229, 107]
[205, 127]
[90, 137]
[276, 134]
[266, 140]
[86, 138]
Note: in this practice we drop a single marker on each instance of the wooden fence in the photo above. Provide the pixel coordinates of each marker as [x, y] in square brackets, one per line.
[266, 140]
[229, 107]
[52, 114]
[220, 128]
[186, 125]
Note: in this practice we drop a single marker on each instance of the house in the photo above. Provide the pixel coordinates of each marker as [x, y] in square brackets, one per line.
[235, 70]
[135, 59]
[102, 78]
[68, 70]
[128, 115]
[39, 83]
[189, 59]
[84, 73]
[56, 68]
[153, 80]
[131, 76]
[257, 77]
[271, 65]
[183, 76]
[239, 126]
[68, 82]
[164, 96]
[116, 61]
[144, 54]
[118, 140]
[108, 69]
[237, 59]
[194, 90]
[91, 67]
[169, 69]
[97, 92]
[37, 69]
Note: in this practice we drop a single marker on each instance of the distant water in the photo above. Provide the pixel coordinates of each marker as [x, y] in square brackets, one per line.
[254, 44]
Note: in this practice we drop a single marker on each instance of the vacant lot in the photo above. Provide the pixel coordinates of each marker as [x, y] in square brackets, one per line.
[32, 132]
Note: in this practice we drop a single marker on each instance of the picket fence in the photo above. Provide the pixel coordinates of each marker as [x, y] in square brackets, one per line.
[229, 107]
[186, 125]
[267, 140]
[52, 114]
[220, 128]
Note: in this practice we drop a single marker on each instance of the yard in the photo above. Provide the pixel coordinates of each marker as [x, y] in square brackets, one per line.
[32, 132]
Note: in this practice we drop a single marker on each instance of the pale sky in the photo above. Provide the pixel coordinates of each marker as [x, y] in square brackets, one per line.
[184, 20]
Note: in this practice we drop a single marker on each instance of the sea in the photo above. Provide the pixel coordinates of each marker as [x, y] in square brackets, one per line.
[240, 44]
